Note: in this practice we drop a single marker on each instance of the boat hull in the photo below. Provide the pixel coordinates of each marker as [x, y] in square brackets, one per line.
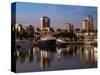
[47, 43]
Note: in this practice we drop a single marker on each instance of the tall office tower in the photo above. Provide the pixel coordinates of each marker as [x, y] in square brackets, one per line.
[87, 24]
[68, 27]
[45, 23]
[90, 22]
[84, 26]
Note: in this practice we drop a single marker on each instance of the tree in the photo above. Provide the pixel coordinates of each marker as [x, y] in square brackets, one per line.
[58, 30]
[38, 29]
[77, 29]
[52, 30]
[30, 31]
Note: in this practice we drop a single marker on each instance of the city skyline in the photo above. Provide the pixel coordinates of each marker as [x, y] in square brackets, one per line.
[30, 13]
[49, 37]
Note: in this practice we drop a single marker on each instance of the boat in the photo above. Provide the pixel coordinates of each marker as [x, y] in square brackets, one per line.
[47, 42]
[60, 42]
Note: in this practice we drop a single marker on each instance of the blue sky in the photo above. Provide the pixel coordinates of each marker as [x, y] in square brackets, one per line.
[30, 13]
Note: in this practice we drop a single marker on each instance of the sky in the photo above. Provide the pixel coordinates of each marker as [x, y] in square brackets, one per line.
[30, 13]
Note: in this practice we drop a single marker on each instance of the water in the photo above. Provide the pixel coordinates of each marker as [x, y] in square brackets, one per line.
[31, 59]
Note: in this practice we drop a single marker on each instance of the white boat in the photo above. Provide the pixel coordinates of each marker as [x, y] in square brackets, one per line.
[48, 41]
[60, 42]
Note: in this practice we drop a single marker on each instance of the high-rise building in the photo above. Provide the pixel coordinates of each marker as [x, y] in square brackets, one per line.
[84, 25]
[87, 24]
[90, 22]
[45, 23]
[17, 28]
[68, 27]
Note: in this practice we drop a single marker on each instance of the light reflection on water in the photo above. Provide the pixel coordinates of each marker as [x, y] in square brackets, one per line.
[30, 59]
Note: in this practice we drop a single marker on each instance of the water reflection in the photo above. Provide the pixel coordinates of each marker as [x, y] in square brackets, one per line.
[45, 58]
[88, 55]
[72, 56]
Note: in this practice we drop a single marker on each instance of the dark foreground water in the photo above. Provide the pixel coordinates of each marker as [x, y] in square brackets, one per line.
[31, 59]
